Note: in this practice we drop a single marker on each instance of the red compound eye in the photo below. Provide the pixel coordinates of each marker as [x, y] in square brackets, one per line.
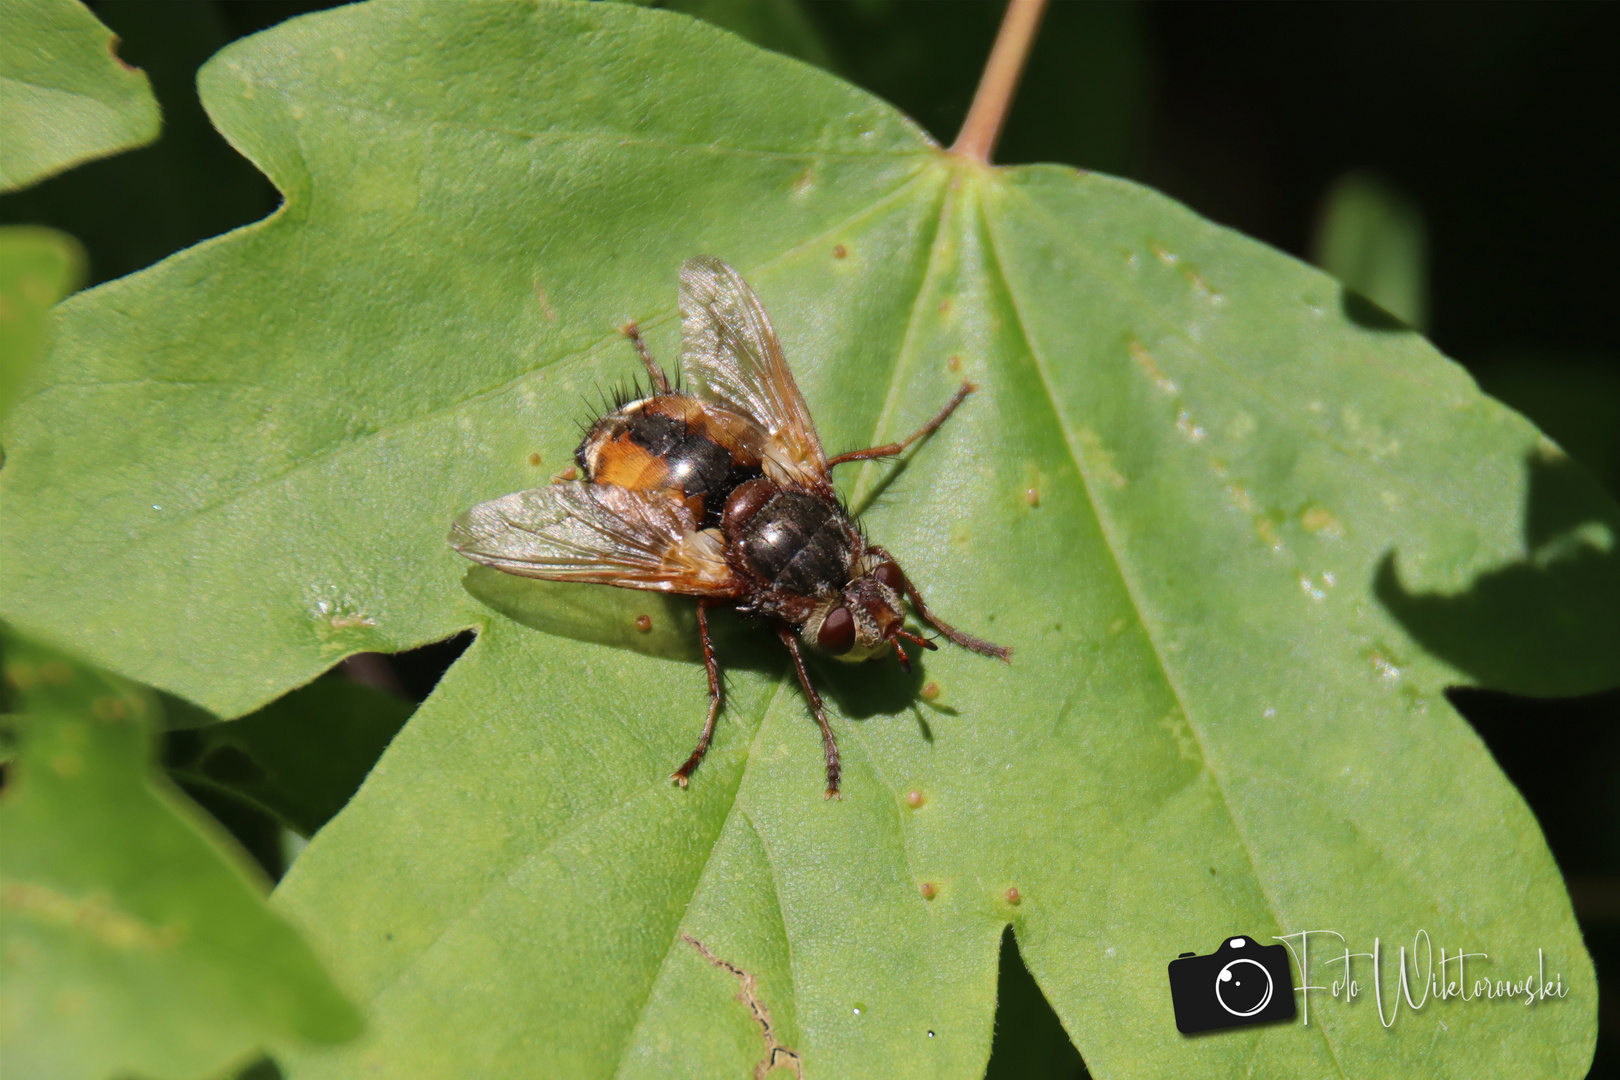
[837, 633]
[891, 575]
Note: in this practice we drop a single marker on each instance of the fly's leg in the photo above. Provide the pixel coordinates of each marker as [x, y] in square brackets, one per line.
[829, 745]
[891, 449]
[684, 773]
[659, 379]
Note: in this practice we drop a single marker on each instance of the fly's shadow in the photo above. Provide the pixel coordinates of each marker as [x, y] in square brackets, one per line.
[871, 688]
[651, 623]
[605, 615]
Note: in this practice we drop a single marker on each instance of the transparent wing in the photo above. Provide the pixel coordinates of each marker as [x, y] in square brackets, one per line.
[597, 533]
[730, 351]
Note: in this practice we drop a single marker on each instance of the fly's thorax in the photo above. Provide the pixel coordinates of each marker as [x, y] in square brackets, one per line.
[793, 540]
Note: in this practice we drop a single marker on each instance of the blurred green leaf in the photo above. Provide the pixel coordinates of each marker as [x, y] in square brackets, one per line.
[1372, 238]
[64, 93]
[135, 935]
[301, 757]
[1173, 495]
[37, 268]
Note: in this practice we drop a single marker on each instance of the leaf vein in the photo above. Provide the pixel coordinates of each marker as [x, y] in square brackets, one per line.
[1133, 592]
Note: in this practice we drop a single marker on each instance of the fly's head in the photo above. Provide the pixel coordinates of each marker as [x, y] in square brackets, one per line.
[866, 618]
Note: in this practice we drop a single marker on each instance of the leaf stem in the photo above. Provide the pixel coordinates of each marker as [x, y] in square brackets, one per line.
[981, 129]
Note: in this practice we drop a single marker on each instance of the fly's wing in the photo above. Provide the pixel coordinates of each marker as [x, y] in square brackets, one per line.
[597, 533]
[730, 351]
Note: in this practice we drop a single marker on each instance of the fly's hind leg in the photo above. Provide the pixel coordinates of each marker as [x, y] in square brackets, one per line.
[829, 745]
[684, 773]
[659, 379]
[891, 449]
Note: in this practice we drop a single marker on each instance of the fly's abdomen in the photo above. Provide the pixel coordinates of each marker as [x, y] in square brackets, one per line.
[666, 442]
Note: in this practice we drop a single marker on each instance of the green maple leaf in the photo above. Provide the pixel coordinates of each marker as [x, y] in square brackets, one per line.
[136, 938]
[1240, 530]
[66, 96]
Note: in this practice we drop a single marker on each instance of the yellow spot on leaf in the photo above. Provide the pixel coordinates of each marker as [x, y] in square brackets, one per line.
[1321, 521]
[95, 916]
[1145, 361]
[108, 709]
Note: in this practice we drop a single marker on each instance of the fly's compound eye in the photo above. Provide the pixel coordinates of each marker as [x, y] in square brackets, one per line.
[837, 633]
[890, 574]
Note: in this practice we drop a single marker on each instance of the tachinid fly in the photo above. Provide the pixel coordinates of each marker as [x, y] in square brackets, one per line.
[723, 494]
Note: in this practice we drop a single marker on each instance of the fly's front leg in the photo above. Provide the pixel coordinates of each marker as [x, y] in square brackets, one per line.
[684, 773]
[659, 379]
[829, 745]
[967, 641]
[891, 449]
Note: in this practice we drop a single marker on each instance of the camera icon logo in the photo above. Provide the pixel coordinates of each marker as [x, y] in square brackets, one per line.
[1240, 983]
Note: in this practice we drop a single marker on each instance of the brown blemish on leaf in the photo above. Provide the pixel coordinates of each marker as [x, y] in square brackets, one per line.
[534, 459]
[545, 303]
[954, 363]
[776, 1055]
[56, 673]
[112, 50]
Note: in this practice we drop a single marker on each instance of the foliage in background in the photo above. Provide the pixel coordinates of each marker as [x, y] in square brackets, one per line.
[37, 268]
[904, 42]
[134, 930]
[299, 758]
[135, 935]
[1371, 238]
[64, 93]
[137, 207]
[1183, 502]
